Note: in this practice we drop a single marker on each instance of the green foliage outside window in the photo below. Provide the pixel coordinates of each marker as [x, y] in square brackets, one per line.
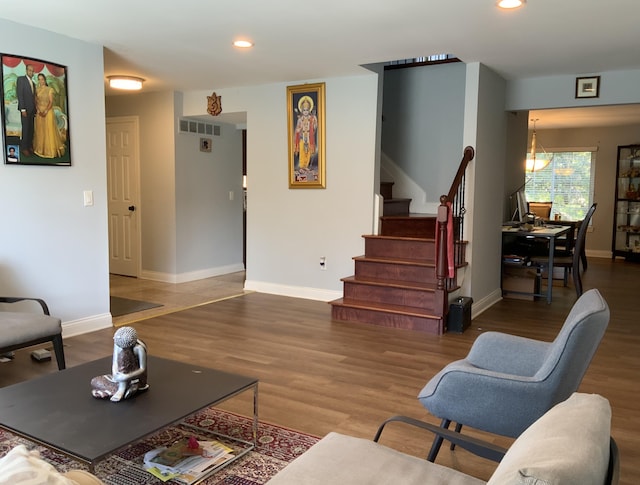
[566, 181]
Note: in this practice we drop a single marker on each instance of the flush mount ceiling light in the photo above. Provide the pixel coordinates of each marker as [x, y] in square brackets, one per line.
[129, 83]
[243, 44]
[509, 4]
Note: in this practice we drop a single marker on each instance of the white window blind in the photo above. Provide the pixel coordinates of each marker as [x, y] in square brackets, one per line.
[567, 182]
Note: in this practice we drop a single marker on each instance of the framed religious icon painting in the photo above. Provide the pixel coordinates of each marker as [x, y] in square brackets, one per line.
[306, 132]
[35, 119]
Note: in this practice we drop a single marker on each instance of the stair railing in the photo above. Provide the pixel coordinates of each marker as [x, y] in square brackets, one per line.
[450, 226]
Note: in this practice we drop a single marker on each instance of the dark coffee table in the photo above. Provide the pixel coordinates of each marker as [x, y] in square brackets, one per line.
[58, 411]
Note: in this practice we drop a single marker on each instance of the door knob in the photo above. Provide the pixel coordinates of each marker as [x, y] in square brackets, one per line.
[132, 208]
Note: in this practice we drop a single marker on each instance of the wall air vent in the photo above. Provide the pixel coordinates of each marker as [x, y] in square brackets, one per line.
[196, 127]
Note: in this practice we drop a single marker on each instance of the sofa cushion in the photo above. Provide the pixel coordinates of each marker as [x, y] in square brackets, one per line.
[18, 327]
[23, 467]
[568, 445]
[341, 459]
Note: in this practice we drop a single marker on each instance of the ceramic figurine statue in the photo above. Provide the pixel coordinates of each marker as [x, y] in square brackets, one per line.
[128, 370]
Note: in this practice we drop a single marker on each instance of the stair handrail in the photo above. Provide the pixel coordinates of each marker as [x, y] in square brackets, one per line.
[450, 221]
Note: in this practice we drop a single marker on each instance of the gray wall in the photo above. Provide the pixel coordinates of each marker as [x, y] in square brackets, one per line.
[190, 227]
[52, 246]
[423, 110]
[209, 203]
[290, 229]
[55, 248]
[156, 113]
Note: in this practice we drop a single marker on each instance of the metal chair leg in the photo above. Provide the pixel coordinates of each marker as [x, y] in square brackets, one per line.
[458, 429]
[437, 442]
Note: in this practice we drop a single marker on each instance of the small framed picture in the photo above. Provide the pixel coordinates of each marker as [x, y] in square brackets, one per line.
[205, 144]
[588, 87]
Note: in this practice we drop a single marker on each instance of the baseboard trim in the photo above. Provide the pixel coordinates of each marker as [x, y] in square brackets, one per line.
[86, 325]
[485, 303]
[292, 291]
[192, 275]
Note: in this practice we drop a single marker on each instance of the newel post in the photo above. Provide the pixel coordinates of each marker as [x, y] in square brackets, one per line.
[441, 243]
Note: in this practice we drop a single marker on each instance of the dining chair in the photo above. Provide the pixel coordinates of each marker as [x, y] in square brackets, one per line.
[570, 263]
[541, 209]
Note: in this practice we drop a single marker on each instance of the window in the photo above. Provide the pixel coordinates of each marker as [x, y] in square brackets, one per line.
[567, 181]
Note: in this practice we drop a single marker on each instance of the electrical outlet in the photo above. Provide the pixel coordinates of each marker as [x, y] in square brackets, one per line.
[323, 263]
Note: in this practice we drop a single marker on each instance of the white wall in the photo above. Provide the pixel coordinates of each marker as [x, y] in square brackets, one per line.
[52, 246]
[290, 229]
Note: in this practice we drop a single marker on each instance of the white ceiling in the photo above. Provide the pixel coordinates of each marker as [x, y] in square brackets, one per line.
[186, 45]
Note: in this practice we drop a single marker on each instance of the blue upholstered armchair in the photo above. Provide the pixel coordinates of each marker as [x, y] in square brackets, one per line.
[507, 382]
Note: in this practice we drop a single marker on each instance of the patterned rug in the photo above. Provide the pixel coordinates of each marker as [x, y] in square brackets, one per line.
[276, 447]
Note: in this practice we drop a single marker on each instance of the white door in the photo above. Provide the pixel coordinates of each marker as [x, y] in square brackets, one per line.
[123, 195]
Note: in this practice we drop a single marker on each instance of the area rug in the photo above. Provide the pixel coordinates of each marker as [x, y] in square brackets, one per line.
[124, 306]
[277, 446]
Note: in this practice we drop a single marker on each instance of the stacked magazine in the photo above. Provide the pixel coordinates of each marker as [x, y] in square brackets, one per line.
[187, 460]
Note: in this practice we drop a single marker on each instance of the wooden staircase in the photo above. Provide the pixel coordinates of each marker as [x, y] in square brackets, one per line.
[396, 282]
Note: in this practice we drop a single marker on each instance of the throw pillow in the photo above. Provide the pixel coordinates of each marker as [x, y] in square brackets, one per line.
[568, 445]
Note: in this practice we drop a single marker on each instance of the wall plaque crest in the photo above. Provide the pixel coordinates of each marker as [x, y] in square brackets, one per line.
[214, 104]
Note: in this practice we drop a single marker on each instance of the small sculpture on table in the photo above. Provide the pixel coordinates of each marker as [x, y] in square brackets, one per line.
[128, 370]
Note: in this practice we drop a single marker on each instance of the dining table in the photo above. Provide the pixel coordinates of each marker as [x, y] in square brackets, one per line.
[546, 232]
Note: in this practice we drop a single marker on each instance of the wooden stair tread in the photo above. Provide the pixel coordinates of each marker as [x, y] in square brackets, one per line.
[395, 238]
[408, 285]
[384, 307]
[429, 263]
[412, 216]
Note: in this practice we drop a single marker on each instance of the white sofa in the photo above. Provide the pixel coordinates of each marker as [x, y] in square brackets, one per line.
[570, 444]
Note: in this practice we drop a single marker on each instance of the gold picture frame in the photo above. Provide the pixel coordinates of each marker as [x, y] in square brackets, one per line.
[306, 132]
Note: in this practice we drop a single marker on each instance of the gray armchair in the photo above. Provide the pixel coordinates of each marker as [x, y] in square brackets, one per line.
[24, 329]
[507, 382]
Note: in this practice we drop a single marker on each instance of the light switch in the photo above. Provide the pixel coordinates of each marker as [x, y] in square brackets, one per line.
[88, 198]
[231, 195]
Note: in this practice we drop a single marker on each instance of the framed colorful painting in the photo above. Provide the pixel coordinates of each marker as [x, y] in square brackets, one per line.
[35, 118]
[306, 132]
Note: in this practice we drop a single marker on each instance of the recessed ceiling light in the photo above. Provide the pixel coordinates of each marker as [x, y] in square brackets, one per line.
[508, 4]
[243, 43]
[129, 83]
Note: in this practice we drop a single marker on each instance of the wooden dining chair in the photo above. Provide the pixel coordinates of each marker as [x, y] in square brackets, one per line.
[541, 209]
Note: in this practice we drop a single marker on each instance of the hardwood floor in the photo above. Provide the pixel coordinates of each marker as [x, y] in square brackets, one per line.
[173, 297]
[318, 375]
